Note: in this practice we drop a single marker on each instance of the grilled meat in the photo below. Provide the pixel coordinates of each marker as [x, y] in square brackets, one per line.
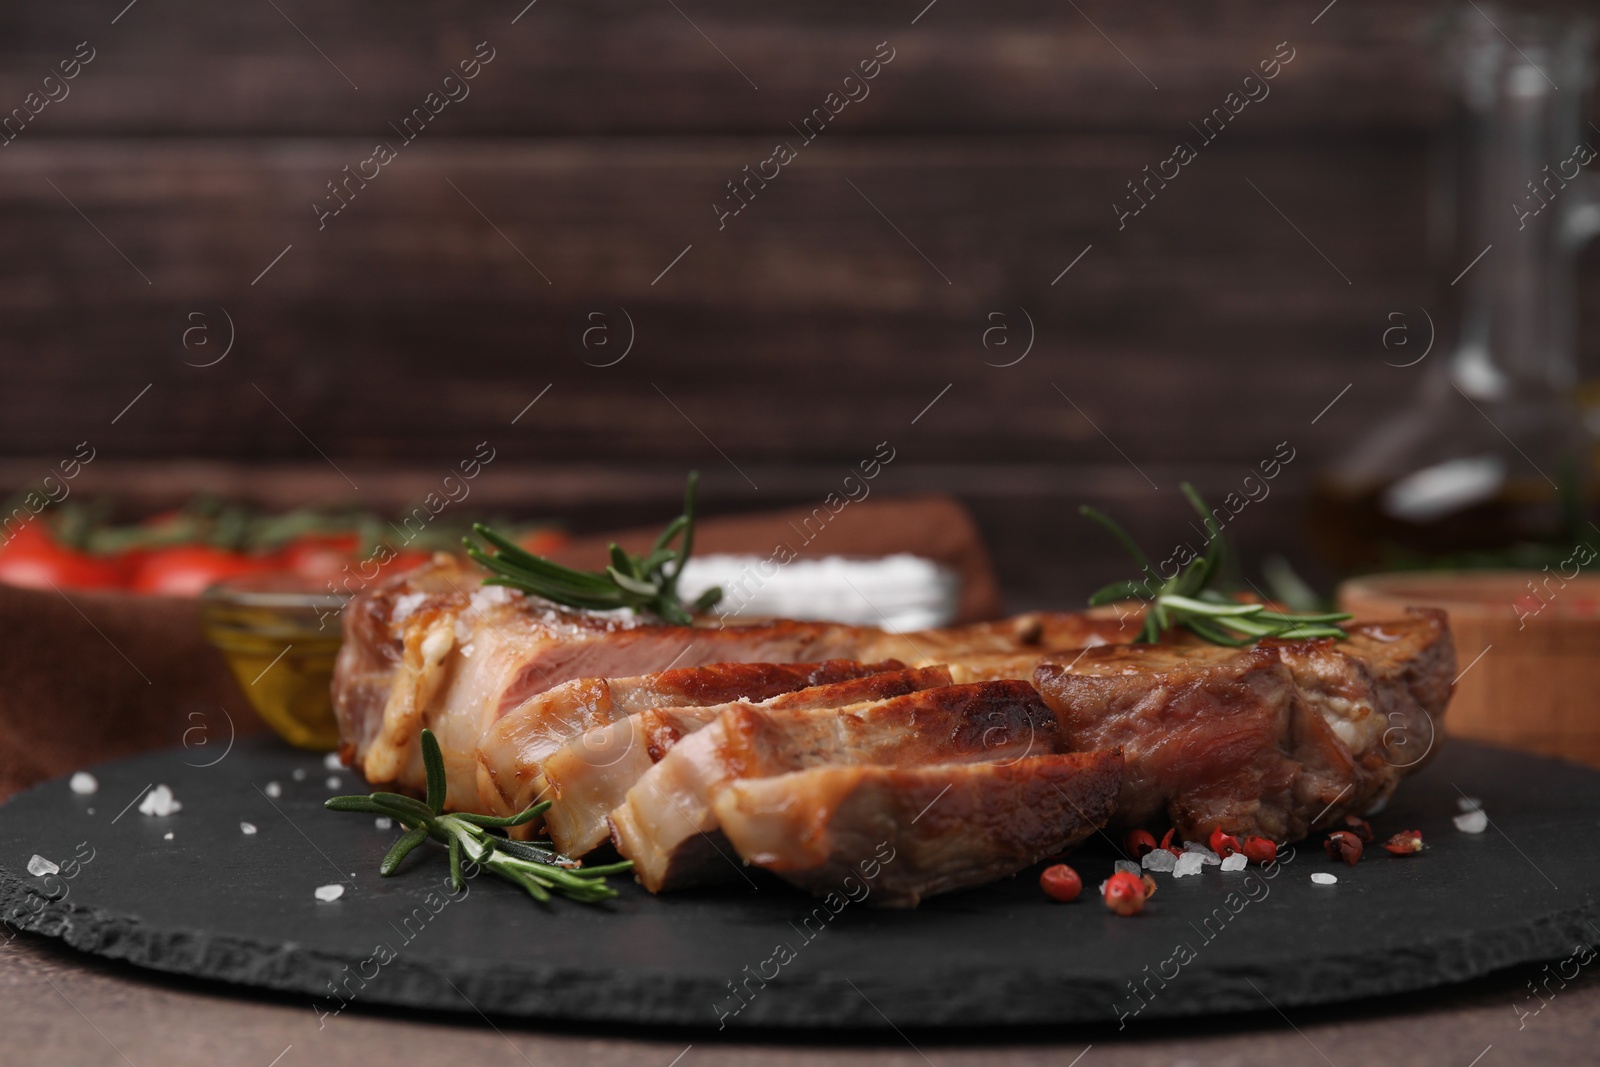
[666, 824]
[809, 749]
[1279, 740]
[910, 832]
[432, 647]
[511, 752]
[592, 773]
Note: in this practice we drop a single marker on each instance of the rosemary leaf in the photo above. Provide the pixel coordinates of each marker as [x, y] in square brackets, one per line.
[540, 870]
[1216, 634]
[1187, 600]
[396, 803]
[527, 815]
[353, 803]
[527, 850]
[433, 762]
[1110, 594]
[1201, 607]
[456, 878]
[402, 848]
[603, 870]
[647, 583]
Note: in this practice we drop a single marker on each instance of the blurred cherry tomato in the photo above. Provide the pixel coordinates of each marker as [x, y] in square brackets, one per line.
[406, 559]
[544, 540]
[33, 559]
[318, 556]
[187, 570]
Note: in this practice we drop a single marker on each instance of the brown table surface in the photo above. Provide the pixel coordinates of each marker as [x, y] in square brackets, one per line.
[60, 1007]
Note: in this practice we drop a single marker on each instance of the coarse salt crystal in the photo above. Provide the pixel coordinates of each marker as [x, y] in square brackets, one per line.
[84, 784]
[273, 790]
[332, 781]
[1472, 822]
[383, 822]
[1469, 803]
[39, 867]
[1323, 878]
[332, 762]
[488, 596]
[1126, 865]
[167, 836]
[1160, 860]
[404, 606]
[1235, 862]
[159, 802]
[329, 893]
[298, 774]
[1188, 863]
[247, 828]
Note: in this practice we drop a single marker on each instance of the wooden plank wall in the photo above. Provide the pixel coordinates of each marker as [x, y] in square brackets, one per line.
[572, 189]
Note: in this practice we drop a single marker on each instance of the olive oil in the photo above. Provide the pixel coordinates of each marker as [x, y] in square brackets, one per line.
[280, 638]
[1363, 529]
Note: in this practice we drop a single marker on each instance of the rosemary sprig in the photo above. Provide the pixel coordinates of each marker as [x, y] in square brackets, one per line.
[643, 583]
[539, 870]
[1187, 600]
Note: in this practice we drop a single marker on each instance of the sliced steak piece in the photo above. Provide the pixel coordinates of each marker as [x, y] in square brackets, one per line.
[433, 647]
[511, 752]
[1279, 740]
[593, 772]
[910, 832]
[464, 659]
[666, 825]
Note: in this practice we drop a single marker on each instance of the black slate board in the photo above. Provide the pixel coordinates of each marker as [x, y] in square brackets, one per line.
[216, 903]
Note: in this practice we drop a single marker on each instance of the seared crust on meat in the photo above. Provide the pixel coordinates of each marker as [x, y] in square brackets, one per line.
[665, 823]
[1278, 740]
[909, 832]
[510, 754]
[592, 773]
[435, 648]
[809, 749]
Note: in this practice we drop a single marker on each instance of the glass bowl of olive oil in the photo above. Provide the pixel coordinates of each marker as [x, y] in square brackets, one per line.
[280, 635]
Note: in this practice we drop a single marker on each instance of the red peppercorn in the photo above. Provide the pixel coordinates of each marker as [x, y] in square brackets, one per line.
[1360, 827]
[1259, 849]
[1139, 842]
[1343, 845]
[1125, 893]
[1166, 843]
[1223, 844]
[1405, 842]
[1061, 882]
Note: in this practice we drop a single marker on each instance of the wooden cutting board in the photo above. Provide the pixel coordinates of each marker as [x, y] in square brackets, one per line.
[1528, 644]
